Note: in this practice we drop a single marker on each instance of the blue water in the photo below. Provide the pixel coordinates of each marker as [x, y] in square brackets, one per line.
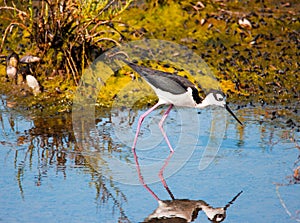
[47, 177]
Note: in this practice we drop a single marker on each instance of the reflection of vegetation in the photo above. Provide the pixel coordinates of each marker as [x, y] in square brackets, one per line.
[285, 119]
[104, 195]
[293, 179]
[50, 146]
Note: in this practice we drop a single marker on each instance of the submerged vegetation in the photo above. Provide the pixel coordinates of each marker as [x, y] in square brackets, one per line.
[252, 48]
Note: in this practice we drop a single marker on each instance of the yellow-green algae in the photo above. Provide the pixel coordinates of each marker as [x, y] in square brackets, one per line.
[261, 63]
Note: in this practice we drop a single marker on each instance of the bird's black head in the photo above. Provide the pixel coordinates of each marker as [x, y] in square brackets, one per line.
[219, 217]
[217, 98]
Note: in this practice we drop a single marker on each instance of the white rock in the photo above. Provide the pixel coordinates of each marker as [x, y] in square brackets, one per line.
[245, 23]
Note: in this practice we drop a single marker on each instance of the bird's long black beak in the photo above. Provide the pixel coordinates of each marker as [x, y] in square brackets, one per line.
[229, 110]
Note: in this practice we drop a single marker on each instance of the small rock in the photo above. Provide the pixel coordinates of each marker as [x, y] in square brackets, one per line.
[199, 5]
[202, 22]
[245, 23]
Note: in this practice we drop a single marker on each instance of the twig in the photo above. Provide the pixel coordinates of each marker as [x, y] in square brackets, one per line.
[102, 10]
[7, 30]
[108, 39]
[72, 65]
[284, 206]
[12, 8]
[124, 8]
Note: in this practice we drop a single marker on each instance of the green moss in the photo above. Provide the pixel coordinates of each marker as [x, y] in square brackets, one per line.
[261, 63]
[251, 64]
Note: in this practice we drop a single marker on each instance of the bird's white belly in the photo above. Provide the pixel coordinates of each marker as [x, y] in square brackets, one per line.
[181, 100]
[11, 71]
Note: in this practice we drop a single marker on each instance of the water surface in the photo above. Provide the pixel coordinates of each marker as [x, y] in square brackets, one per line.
[46, 176]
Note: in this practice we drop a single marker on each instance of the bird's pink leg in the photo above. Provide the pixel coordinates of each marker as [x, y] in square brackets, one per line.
[141, 179]
[141, 119]
[162, 129]
[161, 176]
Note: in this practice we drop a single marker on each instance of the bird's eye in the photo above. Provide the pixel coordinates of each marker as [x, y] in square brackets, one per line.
[219, 217]
[219, 97]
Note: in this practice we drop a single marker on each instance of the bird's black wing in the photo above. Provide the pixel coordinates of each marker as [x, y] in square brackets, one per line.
[164, 81]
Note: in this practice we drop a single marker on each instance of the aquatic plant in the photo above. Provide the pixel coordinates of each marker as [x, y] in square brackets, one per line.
[253, 49]
[66, 34]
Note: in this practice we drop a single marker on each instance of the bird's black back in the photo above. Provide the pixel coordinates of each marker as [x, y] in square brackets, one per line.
[10, 56]
[165, 81]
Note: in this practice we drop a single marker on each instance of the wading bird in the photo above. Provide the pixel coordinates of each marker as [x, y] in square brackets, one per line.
[12, 63]
[184, 210]
[171, 90]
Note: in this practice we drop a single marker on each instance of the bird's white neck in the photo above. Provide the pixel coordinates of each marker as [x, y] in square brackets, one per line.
[212, 99]
[203, 104]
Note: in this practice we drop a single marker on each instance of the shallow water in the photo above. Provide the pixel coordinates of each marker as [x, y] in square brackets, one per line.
[49, 174]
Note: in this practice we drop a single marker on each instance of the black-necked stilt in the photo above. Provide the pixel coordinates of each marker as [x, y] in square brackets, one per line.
[12, 63]
[12, 68]
[175, 90]
[33, 84]
[180, 210]
[184, 210]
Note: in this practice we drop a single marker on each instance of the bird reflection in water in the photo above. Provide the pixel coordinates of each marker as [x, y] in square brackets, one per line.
[180, 210]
